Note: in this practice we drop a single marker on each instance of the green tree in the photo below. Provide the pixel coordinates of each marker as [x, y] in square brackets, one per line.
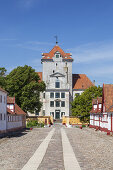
[23, 83]
[2, 77]
[82, 104]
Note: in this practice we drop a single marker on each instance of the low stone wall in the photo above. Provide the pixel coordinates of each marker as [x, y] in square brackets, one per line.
[40, 119]
[71, 120]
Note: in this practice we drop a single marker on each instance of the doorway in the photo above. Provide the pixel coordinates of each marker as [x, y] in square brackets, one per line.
[57, 114]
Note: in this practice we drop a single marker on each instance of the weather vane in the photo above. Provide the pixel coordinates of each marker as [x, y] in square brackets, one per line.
[56, 39]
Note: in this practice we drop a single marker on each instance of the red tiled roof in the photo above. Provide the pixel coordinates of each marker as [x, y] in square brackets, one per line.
[55, 49]
[2, 90]
[18, 110]
[10, 100]
[81, 81]
[108, 97]
[40, 76]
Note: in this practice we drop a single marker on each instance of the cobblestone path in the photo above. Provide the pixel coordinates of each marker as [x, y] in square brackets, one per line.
[93, 149]
[53, 159]
[17, 150]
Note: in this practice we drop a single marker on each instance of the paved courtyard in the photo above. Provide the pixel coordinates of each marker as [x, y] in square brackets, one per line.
[57, 148]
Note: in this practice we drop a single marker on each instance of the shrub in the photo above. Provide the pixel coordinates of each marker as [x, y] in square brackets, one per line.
[32, 123]
[83, 125]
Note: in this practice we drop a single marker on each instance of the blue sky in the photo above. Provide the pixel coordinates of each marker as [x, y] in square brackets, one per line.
[84, 28]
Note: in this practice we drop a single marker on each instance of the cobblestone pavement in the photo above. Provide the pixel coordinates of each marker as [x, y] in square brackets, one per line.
[53, 159]
[93, 149]
[16, 151]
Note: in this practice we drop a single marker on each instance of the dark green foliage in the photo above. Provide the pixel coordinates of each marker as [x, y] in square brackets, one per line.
[23, 83]
[2, 77]
[34, 123]
[82, 104]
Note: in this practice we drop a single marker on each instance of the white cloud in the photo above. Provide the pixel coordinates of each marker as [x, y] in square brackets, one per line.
[102, 71]
[88, 53]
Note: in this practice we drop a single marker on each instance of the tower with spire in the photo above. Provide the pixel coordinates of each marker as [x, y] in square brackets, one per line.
[57, 75]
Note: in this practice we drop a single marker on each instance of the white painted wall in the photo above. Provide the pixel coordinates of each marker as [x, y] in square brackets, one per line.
[3, 111]
[14, 121]
[77, 91]
[49, 68]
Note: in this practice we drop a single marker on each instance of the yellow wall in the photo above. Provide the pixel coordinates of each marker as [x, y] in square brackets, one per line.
[41, 119]
[71, 120]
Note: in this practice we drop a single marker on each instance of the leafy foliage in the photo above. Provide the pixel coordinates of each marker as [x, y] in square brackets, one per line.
[34, 123]
[2, 77]
[23, 83]
[82, 104]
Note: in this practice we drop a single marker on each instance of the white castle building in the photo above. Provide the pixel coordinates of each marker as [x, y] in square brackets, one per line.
[61, 84]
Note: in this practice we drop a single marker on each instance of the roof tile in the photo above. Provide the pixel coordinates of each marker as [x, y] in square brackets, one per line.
[81, 81]
[56, 48]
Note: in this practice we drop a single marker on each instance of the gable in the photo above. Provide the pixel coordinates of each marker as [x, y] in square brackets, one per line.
[56, 49]
[57, 74]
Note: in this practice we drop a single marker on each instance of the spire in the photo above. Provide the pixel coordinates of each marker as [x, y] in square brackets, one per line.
[56, 39]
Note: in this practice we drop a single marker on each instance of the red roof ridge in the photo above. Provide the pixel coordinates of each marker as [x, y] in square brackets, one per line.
[56, 48]
[18, 110]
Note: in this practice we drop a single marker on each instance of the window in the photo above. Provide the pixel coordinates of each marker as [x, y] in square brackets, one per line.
[57, 55]
[95, 106]
[0, 98]
[43, 112]
[51, 103]
[57, 104]
[57, 95]
[62, 103]
[51, 95]
[4, 116]
[57, 84]
[44, 95]
[62, 113]
[0, 116]
[52, 113]
[62, 95]
[4, 99]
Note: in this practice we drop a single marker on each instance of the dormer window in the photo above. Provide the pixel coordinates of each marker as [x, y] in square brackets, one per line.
[57, 54]
[95, 106]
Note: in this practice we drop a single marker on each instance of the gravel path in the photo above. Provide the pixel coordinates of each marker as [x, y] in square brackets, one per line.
[93, 149]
